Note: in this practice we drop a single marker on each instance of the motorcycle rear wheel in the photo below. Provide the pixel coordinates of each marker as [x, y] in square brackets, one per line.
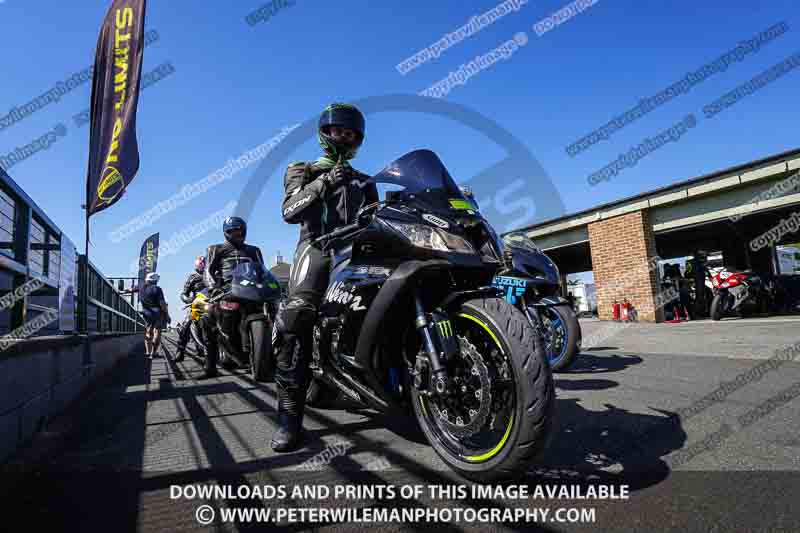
[717, 307]
[261, 360]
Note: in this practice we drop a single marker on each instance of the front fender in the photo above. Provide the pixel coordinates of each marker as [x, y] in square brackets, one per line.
[549, 301]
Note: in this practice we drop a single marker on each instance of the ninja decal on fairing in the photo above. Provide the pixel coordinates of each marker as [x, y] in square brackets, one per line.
[339, 294]
[436, 221]
[373, 271]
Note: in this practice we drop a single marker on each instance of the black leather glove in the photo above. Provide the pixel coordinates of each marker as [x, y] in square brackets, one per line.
[338, 175]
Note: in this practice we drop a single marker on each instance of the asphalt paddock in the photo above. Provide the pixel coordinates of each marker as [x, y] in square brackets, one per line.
[675, 413]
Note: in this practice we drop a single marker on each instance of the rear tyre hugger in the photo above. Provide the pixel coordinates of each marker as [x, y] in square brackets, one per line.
[534, 411]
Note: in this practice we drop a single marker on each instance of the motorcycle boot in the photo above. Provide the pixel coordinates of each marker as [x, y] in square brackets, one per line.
[183, 339]
[290, 373]
[291, 407]
[212, 348]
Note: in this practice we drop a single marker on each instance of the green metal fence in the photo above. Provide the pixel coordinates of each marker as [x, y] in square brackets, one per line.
[31, 270]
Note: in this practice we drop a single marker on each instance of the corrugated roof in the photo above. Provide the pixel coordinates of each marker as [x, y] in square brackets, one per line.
[678, 185]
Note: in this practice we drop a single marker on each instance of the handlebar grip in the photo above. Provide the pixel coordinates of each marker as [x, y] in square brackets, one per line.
[338, 232]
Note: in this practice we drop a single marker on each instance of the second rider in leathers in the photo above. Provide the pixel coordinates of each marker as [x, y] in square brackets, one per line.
[320, 196]
[193, 285]
[221, 260]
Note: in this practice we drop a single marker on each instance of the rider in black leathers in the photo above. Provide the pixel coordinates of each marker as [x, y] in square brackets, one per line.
[221, 260]
[320, 196]
[193, 285]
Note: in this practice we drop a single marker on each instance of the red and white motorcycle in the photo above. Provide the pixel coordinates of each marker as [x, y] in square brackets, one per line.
[738, 292]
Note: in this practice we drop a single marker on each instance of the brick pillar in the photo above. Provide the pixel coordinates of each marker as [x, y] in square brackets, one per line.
[624, 264]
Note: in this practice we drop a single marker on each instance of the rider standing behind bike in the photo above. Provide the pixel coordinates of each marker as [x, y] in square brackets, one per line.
[320, 196]
[221, 260]
[155, 312]
[193, 285]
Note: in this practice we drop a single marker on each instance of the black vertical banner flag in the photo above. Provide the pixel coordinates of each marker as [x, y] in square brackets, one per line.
[148, 258]
[113, 149]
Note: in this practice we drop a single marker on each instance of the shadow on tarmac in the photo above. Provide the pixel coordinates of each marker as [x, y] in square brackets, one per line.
[112, 489]
[588, 363]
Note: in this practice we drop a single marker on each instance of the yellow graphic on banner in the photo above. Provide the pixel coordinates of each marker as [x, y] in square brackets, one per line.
[111, 177]
[106, 192]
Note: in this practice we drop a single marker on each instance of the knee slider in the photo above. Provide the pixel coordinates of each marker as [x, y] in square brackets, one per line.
[296, 317]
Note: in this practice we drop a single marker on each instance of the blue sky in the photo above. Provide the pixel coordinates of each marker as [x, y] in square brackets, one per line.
[235, 86]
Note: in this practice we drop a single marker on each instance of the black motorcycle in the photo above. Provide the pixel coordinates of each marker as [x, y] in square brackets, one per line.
[410, 321]
[243, 315]
[532, 282]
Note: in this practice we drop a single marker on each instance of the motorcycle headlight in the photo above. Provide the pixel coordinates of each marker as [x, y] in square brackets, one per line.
[433, 239]
[724, 285]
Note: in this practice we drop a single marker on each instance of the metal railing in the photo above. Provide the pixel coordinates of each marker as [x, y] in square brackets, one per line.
[108, 310]
[35, 281]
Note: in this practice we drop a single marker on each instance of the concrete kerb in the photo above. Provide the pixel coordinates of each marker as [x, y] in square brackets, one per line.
[56, 403]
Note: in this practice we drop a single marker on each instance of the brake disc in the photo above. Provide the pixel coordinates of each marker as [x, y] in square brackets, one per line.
[467, 420]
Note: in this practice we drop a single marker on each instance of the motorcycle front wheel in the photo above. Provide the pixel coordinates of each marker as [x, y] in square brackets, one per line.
[500, 415]
[719, 306]
[561, 330]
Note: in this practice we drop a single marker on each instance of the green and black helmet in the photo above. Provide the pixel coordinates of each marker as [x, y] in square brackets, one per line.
[343, 116]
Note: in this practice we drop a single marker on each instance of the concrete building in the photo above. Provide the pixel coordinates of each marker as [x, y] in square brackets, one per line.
[729, 211]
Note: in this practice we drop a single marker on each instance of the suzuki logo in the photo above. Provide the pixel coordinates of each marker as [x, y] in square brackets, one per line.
[514, 282]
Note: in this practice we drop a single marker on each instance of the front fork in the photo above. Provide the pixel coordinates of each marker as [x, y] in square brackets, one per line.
[438, 374]
[532, 313]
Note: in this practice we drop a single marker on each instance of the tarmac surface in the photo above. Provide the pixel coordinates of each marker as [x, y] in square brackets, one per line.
[674, 411]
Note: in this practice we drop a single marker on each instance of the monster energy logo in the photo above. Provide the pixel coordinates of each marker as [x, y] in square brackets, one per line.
[445, 329]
